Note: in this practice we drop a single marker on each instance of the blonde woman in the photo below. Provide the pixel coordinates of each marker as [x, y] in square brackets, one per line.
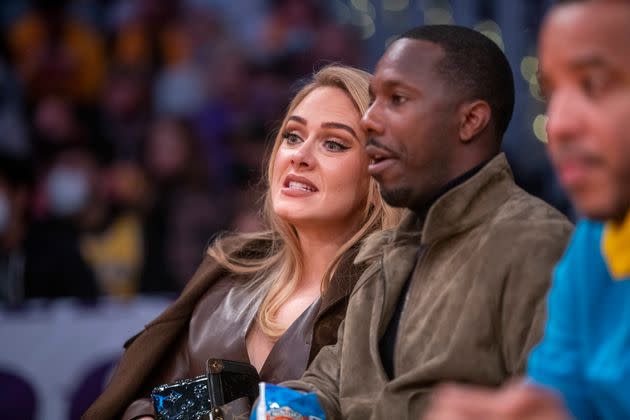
[275, 298]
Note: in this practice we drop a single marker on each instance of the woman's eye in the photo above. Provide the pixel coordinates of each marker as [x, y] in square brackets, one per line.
[291, 138]
[335, 146]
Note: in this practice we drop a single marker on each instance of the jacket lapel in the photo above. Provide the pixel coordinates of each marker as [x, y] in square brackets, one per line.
[398, 264]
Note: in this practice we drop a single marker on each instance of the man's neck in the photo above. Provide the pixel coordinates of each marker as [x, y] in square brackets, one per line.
[422, 209]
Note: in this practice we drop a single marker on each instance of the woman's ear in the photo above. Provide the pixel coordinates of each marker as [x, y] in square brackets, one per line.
[475, 117]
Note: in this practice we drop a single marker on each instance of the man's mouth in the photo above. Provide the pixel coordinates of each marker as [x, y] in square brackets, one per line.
[574, 166]
[376, 158]
[380, 156]
[378, 151]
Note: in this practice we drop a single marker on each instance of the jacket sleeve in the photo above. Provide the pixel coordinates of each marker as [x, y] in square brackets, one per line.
[523, 305]
[141, 362]
[322, 377]
[139, 408]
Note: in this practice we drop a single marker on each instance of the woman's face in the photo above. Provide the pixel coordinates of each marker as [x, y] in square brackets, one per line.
[320, 177]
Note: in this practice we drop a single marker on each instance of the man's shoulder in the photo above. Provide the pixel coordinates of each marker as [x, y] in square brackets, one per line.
[525, 228]
[374, 244]
[522, 210]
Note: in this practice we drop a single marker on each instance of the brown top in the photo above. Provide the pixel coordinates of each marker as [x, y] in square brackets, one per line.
[211, 318]
[234, 307]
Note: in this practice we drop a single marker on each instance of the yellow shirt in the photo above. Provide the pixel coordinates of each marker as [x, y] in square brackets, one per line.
[616, 248]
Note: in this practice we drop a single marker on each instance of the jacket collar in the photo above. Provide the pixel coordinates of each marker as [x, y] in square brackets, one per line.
[342, 281]
[458, 210]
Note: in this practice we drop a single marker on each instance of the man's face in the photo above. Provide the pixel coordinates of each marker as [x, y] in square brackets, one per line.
[585, 73]
[411, 124]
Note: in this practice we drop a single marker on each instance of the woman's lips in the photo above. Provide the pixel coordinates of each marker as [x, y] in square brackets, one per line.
[298, 186]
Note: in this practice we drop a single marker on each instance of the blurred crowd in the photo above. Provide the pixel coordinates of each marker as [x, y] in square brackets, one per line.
[133, 131]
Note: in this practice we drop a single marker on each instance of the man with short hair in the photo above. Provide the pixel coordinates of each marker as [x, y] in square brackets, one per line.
[456, 291]
[584, 358]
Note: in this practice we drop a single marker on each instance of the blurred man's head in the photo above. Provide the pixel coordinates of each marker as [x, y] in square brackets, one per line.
[585, 74]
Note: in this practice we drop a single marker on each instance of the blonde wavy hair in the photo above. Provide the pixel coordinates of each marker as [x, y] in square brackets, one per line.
[282, 267]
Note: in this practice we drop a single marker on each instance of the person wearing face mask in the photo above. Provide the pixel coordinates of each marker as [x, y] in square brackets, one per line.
[272, 298]
[68, 191]
[88, 230]
[56, 266]
[14, 202]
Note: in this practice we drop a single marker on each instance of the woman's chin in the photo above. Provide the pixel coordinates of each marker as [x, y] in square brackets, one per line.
[294, 217]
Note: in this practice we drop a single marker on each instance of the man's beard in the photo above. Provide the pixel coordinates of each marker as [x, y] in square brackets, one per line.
[398, 197]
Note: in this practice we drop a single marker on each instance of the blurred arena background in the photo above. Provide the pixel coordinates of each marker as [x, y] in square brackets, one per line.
[133, 131]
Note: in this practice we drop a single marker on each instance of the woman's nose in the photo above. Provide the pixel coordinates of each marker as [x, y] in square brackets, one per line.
[303, 155]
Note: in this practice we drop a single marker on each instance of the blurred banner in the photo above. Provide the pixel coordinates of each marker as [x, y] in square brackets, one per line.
[55, 356]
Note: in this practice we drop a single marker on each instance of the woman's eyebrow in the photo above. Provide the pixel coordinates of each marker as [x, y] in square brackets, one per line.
[341, 127]
[297, 119]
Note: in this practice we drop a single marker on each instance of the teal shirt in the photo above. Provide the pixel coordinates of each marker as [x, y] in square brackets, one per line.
[585, 353]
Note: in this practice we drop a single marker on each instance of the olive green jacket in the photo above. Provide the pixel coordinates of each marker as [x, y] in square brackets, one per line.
[480, 266]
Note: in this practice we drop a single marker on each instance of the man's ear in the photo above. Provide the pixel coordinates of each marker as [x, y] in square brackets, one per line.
[475, 117]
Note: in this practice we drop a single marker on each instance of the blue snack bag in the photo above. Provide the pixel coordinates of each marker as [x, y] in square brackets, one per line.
[280, 403]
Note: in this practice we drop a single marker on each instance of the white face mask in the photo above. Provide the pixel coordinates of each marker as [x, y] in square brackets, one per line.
[5, 213]
[68, 191]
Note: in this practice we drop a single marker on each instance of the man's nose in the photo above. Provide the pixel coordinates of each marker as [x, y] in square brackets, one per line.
[372, 121]
[564, 115]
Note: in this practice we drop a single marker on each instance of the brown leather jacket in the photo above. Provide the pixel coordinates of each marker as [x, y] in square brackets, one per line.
[177, 343]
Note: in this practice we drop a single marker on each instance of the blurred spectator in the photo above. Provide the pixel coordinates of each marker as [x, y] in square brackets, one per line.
[179, 91]
[54, 125]
[56, 266]
[225, 110]
[15, 188]
[248, 216]
[290, 27]
[56, 54]
[146, 36]
[336, 43]
[84, 245]
[186, 208]
[126, 111]
[14, 140]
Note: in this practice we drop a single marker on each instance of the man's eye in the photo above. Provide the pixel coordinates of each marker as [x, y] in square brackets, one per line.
[398, 99]
[335, 146]
[593, 85]
[291, 138]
